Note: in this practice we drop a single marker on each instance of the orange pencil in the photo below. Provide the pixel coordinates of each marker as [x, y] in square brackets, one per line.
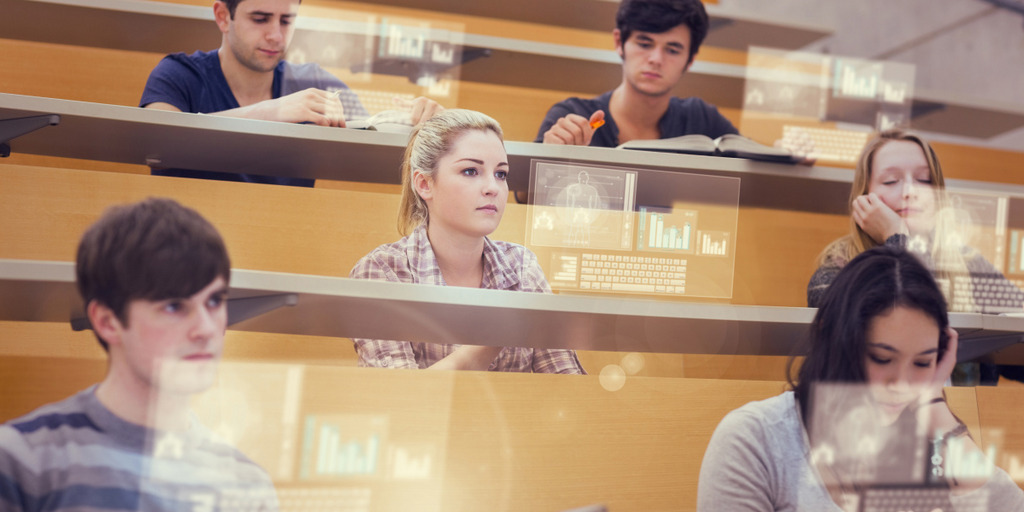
[597, 124]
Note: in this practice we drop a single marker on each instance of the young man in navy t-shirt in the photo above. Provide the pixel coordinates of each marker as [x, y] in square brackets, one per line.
[248, 77]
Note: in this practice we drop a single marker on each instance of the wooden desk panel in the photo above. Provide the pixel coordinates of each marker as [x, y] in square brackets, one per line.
[101, 75]
[553, 443]
[1000, 414]
[336, 224]
[502, 441]
[48, 340]
[56, 340]
[336, 307]
[322, 232]
[30, 382]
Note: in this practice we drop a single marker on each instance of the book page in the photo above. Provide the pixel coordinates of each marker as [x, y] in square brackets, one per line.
[693, 144]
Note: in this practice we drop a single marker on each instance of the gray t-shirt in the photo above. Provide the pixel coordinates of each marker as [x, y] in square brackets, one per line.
[758, 460]
[77, 455]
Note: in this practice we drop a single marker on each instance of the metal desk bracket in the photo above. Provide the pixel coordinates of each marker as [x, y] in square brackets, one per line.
[239, 310]
[13, 128]
[985, 345]
[250, 307]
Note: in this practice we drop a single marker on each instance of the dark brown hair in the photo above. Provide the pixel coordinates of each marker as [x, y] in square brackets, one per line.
[871, 285]
[657, 16]
[233, 4]
[156, 249]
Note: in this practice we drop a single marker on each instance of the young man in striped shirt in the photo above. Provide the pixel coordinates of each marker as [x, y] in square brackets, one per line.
[154, 279]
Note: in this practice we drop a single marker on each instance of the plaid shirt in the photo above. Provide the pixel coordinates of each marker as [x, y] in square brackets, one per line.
[506, 267]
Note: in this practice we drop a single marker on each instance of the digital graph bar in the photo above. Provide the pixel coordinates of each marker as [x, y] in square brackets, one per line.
[332, 452]
[661, 236]
[349, 458]
[411, 467]
[714, 243]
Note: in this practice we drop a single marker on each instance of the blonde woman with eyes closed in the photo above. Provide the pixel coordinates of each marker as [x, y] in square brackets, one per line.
[898, 198]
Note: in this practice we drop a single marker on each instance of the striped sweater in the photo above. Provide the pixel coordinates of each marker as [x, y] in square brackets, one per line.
[76, 455]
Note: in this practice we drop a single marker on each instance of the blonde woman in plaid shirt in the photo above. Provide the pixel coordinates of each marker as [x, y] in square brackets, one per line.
[454, 192]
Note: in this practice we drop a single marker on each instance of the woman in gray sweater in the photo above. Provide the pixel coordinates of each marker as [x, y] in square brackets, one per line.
[882, 323]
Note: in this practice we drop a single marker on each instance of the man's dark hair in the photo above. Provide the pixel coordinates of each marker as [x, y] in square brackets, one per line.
[233, 4]
[657, 16]
[156, 249]
[870, 285]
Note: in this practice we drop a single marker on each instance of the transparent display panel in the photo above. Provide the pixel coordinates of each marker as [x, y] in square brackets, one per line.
[383, 57]
[834, 102]
[611, 231]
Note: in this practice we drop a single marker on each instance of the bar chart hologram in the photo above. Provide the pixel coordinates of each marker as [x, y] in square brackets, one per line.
[667, 231]
[342, 446]
[714, 243]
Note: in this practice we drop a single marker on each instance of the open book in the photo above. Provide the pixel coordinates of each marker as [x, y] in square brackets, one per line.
[727, 145]
[396, 121]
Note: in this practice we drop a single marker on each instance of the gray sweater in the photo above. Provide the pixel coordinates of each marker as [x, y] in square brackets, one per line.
[757, 460]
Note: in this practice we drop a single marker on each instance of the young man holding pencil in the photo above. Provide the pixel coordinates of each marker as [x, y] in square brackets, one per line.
[657, 41]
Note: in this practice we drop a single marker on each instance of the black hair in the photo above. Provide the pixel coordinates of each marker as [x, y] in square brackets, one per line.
[156, 249]
[657, 16]
[232, 5]
[872, 284]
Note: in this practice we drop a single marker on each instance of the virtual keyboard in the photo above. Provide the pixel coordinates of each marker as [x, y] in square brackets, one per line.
[325, 499]
[988, 295]
[919, 499]
[638, 274]
[829, 143]
[906, 500]
[376, 100]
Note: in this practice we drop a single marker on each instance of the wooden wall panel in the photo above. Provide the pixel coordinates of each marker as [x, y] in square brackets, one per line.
[100, 75]
[30, 382]
[326, 230]
[977, 164]
[48, 340]
[964, 403]
[510, 441]
[575, 428]
[725, 366]
[1000, 414]
[320, 231]
[776, 253]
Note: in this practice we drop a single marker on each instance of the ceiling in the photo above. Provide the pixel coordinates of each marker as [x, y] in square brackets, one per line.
[970, 51]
